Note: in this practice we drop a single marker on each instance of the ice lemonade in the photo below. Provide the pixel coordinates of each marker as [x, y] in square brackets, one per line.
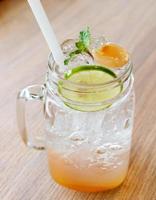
[89, 114]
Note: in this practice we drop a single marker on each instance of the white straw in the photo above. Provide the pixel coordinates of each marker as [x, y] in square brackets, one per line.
[47, 30]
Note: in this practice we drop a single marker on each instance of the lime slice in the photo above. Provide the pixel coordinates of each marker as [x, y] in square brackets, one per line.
[84, 89]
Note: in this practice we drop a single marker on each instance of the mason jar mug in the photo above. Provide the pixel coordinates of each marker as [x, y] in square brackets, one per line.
[88, 143]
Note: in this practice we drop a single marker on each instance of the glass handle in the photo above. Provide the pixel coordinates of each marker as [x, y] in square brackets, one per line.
[30, 93]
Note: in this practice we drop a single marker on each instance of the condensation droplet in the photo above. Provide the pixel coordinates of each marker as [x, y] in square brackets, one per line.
[76, 137]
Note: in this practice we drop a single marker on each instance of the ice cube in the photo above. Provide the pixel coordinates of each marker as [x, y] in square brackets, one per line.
[68, 46]
[81, 59]
[98, 42]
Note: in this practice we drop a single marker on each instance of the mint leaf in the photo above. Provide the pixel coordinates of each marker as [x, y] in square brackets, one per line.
[66, 61]
[81, 46]
[85, 37]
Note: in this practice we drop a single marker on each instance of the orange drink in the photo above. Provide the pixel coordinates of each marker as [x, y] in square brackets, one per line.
[80, 173]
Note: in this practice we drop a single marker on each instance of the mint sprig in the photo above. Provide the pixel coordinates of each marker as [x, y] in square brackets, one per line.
[81, 46]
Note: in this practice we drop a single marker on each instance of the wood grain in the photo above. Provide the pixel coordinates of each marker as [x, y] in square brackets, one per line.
[23, 59]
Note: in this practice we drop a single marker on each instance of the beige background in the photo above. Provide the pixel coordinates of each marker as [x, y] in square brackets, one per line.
[23, 60]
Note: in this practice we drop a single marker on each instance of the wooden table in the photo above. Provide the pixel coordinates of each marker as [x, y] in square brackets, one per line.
[23, 59]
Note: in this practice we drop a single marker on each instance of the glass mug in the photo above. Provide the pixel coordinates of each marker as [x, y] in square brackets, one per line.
[87, 151]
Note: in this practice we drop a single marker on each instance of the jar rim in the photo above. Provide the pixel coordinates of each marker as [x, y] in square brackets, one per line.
[55, 76]
[128, 67]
